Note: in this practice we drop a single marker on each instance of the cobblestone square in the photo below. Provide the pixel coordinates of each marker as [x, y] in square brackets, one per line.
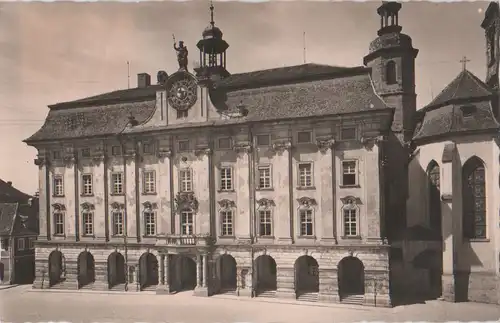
[20, 304]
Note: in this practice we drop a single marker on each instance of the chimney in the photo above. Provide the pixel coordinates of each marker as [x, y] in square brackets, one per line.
[9, 183]
[30, 201]
[143, 80]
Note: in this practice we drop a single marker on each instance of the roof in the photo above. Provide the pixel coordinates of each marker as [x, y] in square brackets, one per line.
[465, 86]
[322, 97]
[457, 118]
[282, 75]
[9, 194]
[7, 215]
[98, 120]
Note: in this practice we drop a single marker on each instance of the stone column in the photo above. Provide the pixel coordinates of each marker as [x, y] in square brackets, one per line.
[198, 271]
[166, 265]
[326, 224]
[282, 223]
[328, 285]
[204, 273]
[242, 187]
[286, 282]
[201, 289]
[160, 288]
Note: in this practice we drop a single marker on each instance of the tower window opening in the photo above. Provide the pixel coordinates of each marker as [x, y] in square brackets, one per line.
[390, 73]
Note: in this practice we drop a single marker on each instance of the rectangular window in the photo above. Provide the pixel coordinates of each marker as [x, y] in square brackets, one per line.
[186, 181]
[304, 137]
[265, 180]
[58, 186]
[305, 175]
[117, 182]
[224, 143]
[20, 244]
[87, 184]
[187, 223]
[265, 223]
[117, 223]
[350, 223]
[226, 178]
[306, 223]
[149, 182]
[181, 114]
[31, 243]
[58, 223]
[150, 223]
[56, 154]
[183, 145]
[88, 223]
[116, 150]
[86, 152]
[147, 149]
[227, 223]
[348, 134]
[263, 140]
[349, 172]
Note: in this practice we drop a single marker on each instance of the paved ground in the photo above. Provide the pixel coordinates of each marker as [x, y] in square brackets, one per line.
[21, 305]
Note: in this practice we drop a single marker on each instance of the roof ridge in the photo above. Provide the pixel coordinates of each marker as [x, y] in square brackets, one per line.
[478, 81]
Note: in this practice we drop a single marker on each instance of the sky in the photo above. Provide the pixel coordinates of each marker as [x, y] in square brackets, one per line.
[54, 52]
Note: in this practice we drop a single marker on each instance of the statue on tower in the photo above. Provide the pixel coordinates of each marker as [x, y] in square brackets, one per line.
[182, 54]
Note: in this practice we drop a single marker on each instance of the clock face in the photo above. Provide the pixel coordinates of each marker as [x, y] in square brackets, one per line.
[182, 95]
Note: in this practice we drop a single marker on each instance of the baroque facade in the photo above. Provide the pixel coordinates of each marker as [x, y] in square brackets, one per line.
[290, 182]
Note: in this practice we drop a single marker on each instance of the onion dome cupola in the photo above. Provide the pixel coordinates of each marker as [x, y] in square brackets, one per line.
[212, 52]
[392, 60]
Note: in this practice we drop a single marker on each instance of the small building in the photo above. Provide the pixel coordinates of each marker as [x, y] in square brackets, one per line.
[18, 232]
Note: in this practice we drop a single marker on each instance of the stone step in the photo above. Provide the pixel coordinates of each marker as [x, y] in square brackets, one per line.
[61, 285]
[308, 297]
[228, 292]
[88, 286]
[118, 288]
[353, 299]
[151, 288]
[266, 293]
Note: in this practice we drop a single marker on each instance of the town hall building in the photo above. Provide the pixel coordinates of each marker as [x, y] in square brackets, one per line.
[298, 182]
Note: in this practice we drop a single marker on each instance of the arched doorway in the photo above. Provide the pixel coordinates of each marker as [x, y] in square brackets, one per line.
[185, 273]
[86, 269]
[266, 279]
[351, 273]
[116, 269]
[148, 270]
[55, 267]
[227, 273]
[306, 275]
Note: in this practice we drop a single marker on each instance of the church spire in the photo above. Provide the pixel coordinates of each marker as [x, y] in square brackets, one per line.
[212, 22]
[389, 17]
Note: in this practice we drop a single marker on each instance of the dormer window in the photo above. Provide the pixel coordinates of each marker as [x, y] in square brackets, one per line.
[468, 110]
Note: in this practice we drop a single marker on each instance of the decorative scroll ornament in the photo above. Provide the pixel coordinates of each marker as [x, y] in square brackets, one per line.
[24, 220]
[86, 206]
[280, 147]
[69, 159]
[41, 160]
[186, 200]
[350, 201]
[325, 144]
[226, 204]
[98, 159]
[59, 207]
[306, 201]
[369, 142]
[199, 152]
[265, 203]
[117, 206]
[149, 206]
[243, 148]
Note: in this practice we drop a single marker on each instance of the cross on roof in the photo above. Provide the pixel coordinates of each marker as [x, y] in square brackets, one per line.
[464, 62]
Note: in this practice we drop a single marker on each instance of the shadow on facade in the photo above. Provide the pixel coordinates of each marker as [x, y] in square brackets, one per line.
[422, 266]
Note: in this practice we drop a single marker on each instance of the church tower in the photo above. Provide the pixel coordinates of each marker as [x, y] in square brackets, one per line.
[392, 60]
[491, 26]
[212, 53]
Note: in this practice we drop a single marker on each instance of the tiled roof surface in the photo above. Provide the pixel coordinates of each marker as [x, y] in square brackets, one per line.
[343, 95]
[7, 214]
[280, 75]
[465, 86]
[450, 119]
[92, 121]
[26, 220]
[9, 194]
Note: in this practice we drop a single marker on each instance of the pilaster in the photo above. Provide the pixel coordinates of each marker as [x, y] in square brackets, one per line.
[70, 182]
[164, 225]
[243, 224]
[326, 167]
[283, 215]
[203, 190]
[285, 282]
[44, 189]
[130, 187]
[328, 285]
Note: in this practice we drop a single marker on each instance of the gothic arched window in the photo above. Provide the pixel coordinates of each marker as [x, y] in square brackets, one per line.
[474, 199]
[434, 196]
[390, 73]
